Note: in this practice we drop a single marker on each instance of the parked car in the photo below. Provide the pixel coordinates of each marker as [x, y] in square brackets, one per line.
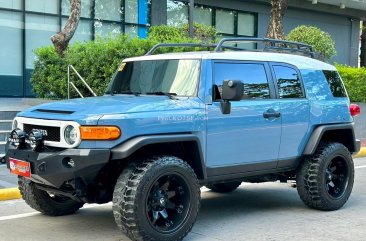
[172, 123]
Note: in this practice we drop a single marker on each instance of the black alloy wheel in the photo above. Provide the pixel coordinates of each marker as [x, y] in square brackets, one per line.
[168, 203]
[336, 177]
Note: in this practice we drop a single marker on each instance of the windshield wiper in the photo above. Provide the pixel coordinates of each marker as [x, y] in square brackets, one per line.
[129, 93]
[170, 95]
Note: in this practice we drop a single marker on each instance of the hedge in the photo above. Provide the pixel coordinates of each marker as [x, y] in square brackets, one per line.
[97, 60]
[320, 40]
[354, 80]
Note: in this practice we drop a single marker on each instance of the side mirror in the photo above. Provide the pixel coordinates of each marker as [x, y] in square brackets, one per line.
[232, 90]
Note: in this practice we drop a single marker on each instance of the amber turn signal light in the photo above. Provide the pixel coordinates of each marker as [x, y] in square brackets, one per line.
[99, 132]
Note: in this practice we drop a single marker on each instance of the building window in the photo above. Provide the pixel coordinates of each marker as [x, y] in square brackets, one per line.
[108, 10]
[177, 13]
[86, 8]
[229, 23]
[203, 15]
[246, 24]
[131, 11]
[225, 21]
[83, 32]
[12, 4]
[42, 6]
[10, 53]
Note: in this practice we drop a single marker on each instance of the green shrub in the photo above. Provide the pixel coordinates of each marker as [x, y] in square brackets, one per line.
[320, 40]
[354, 79]
[96, 61]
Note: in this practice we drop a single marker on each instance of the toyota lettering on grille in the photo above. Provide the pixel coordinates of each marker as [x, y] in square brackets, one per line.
[44, 132]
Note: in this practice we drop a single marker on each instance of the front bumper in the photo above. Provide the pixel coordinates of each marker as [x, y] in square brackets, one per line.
[50, 168]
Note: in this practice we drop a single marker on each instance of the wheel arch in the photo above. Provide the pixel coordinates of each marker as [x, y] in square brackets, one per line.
[342, 133]
[185, 146]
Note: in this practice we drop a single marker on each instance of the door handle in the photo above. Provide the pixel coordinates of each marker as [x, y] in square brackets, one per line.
[271, 114]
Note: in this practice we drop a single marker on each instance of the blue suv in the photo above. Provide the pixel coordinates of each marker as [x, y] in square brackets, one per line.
[171, 123]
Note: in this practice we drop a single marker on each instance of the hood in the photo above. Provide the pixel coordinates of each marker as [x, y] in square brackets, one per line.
[96, 107]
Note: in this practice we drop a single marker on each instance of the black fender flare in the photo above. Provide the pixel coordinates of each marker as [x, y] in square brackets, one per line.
[319, 131]
[130, 146]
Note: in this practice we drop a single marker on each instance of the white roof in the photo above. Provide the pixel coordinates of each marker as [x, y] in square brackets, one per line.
[301, 62]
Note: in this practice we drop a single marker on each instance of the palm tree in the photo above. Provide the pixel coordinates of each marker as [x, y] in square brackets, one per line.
[275, 26]
[61, 40]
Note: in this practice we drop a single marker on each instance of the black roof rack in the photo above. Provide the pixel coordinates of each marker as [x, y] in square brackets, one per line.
[269, 45]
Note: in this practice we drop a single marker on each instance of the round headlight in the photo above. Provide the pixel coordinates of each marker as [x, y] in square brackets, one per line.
[71, 135]
[17, 138]
[35, 138]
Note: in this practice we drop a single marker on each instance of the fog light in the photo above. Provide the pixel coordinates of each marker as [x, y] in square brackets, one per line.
[35, 139]
[17, 138]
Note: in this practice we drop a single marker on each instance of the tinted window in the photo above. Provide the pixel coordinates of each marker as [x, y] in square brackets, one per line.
[288, 82]
[335, 83]
[252, 75]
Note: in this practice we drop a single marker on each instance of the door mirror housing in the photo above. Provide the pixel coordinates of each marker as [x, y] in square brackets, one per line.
[232, 90]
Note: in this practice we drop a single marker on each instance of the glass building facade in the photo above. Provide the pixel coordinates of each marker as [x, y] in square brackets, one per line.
[28, 24]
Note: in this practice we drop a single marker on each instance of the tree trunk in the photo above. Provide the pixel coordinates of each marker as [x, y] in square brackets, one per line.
[61, 40]
[275, 27]
[363, 45]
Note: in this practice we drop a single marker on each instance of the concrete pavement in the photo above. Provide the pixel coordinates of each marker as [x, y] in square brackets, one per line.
[267, 211]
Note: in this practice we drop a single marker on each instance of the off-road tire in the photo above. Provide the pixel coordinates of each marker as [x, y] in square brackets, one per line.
[130, 204]
[118, 195]
[223, 187]
[41, 201]
[312, 173]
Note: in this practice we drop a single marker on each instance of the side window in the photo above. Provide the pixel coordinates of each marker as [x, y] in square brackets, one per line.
[288, 82]
[253, 76]
[335, 83]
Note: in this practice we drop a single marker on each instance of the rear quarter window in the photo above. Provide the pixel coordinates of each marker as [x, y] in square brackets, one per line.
[335, 83]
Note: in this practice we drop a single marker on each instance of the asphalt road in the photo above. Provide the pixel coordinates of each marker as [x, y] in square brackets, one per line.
[267, 211]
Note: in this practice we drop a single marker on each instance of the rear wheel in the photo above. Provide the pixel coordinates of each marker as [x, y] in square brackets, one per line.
[42, 201]
[325, 180]
[160, 202]
[223, 187]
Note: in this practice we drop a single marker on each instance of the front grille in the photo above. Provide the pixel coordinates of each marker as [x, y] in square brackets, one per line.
[50, 133]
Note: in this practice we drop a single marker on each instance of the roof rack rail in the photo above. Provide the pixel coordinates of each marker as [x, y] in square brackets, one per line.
[271, 45]
[153, 49]
[179, 45]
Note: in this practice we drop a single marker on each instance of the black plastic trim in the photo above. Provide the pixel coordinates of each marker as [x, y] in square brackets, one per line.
[129, 147]
[241, 169]
[317, 134]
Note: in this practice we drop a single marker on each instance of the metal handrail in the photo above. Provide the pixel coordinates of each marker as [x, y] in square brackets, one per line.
[73, 85]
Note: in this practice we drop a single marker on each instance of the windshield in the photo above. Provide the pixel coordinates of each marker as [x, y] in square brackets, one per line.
[177, 77]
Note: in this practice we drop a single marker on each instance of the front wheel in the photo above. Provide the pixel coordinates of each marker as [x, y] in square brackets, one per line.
[160, 202]
[42, 201]
[325, 180]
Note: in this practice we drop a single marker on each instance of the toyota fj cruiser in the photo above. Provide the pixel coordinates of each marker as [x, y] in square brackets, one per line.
[171, 123]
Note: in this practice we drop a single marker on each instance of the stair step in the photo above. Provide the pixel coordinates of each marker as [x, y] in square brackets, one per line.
[5, 131]
[2, 148]
[8, 115]
[4, 126]
[6, 121]
[4, 136]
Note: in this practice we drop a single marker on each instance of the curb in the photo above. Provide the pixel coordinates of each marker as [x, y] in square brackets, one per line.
[10, 194]
[361, 153]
